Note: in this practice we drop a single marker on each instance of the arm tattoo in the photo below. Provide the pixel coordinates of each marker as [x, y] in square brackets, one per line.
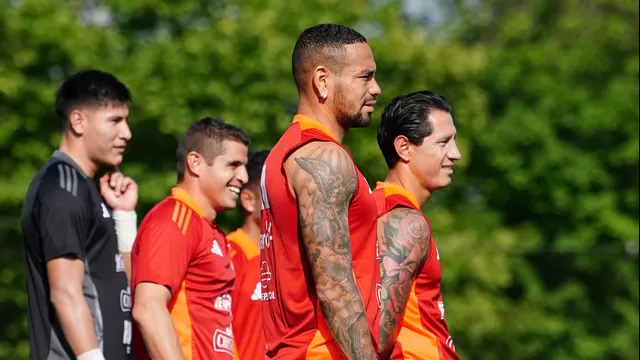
[403, 238]
[324, 180]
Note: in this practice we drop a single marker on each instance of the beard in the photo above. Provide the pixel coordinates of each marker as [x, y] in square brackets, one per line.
[349, 119]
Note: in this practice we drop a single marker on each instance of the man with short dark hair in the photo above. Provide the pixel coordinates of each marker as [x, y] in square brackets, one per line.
[182, 273]
[78, 238]
[247, 305]
[318, 248]
[418, 140]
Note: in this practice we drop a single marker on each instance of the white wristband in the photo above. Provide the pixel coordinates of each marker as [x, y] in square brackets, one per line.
[94, 354]
[126, 228]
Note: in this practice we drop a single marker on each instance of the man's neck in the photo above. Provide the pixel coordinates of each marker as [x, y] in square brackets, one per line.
[401, 176]
[322, 115]
[191, 188]
[252, 229]
[71, 148]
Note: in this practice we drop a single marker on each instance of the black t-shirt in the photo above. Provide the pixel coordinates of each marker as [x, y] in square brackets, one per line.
[64, 215]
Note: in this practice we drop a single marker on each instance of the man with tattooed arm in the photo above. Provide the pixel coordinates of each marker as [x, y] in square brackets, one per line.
[417, 138]
[318, 267]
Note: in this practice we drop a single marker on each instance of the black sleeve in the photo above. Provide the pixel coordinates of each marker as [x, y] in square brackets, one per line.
[62, 219]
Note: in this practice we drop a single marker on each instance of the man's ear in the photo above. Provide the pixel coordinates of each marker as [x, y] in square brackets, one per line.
[77, 121]
[247, 200]
[403, 148]
[320, 84]
[194, 163]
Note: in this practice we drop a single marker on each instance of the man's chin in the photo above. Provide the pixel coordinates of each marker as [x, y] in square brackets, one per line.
[362, 121]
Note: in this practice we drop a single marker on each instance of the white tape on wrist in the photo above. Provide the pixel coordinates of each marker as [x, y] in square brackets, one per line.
[126, 228]
[94, 354]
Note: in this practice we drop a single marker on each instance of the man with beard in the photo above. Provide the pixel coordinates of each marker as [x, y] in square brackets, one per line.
[182, 272]
[318, 268]
[418, 140]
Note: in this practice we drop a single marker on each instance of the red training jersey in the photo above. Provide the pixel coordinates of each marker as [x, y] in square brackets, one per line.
[248, 335]
[423, 334]
[293, 323]
[179, 248]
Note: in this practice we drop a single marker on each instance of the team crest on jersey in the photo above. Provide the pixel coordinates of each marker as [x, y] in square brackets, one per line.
[215, 248]
[223, 341]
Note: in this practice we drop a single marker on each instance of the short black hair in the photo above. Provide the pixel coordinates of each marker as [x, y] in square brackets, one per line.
[89, 88]
[205, 137]
[408, 115]
[254, 168]
[321, 44]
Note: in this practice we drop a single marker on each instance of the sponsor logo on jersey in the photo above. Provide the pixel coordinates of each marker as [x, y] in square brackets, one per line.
[125, 300]
[223, 341]
[257, 293]
[265, 277]
[441, 307]
[119, 263]
[105, 211]
[223, 303]
[215, 248]
[265, 274]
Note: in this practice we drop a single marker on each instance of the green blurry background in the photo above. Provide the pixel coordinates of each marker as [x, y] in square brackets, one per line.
[538, 233]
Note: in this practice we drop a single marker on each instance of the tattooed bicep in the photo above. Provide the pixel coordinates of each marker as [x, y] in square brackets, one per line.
[404, 233]
[322, 172]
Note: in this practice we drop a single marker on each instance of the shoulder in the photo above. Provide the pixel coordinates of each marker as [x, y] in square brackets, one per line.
[241, 246]
[64, 187]
[171, 218]
[325, 163]
[404, 224]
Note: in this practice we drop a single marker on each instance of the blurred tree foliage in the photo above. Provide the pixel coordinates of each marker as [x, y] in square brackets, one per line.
[538, 234]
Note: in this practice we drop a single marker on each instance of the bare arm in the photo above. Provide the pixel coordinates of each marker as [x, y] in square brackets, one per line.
[151, 314]
[323, 179]
[403, 239]
[126, 259]
[65, 282]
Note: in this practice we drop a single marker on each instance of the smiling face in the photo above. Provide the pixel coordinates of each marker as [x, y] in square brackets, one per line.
[222, 181]
[432, 161]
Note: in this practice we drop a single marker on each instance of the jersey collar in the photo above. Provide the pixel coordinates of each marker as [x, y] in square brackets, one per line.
[306, 122]
[59, 155]
[393, 189]
[184, 197]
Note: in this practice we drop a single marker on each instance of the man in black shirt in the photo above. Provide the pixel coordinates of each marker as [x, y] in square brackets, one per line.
[78, 238]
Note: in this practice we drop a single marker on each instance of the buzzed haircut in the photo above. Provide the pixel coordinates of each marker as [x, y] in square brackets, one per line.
[321, 45]
[89, 88]
[205, 137]
[408, 115]
[254, 168]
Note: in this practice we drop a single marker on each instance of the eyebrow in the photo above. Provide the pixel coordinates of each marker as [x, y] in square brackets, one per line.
[366, 72]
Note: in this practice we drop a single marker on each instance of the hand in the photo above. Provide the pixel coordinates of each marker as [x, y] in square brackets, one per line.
[119, 191]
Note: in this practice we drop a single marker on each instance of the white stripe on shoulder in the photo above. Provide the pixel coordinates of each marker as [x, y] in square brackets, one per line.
[74, 189]
[61, 173]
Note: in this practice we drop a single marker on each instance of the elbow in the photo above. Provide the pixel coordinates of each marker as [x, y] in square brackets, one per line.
[66, 297]
[139, 313]
[143, 313]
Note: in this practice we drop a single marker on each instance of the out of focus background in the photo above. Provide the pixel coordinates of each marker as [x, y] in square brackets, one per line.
[538, 234]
